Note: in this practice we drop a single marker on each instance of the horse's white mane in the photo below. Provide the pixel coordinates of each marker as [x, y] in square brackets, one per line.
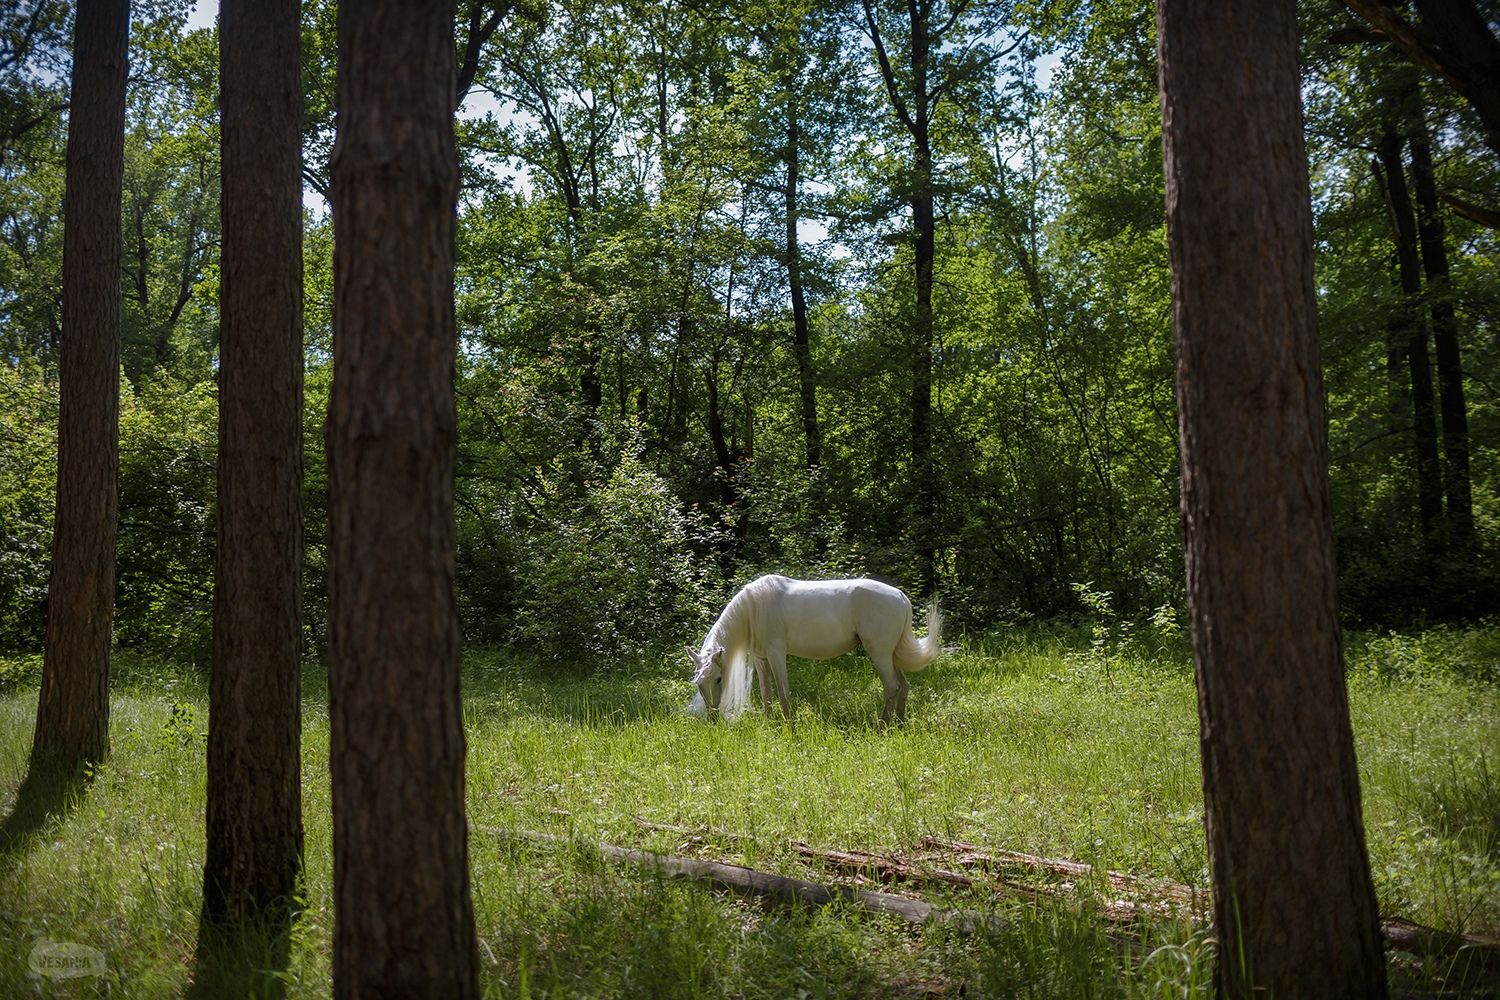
[733, 630]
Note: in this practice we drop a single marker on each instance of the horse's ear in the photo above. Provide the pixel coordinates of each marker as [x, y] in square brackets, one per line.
[692, 654]
[718, 652]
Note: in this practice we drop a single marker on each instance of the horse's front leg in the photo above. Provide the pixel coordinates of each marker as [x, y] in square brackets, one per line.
[763, 675]
[777, 658]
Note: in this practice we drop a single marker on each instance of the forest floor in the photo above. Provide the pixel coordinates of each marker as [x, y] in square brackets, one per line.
[1042, 741]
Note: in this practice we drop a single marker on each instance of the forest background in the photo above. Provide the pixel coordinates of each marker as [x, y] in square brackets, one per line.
[697, 339]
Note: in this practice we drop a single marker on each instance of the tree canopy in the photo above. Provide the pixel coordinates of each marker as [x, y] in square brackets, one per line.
[690, 315]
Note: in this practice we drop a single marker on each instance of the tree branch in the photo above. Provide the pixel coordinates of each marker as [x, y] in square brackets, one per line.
[1486, 217]
[886, 71]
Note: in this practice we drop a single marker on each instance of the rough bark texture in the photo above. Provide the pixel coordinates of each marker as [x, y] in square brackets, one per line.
[254, 813]
[1408, 339]
[1451, 407]
[72, 719]
[1294, 906]
[404, 922]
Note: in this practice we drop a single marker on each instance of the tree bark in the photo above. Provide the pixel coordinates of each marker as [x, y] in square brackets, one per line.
[404, 921]
[1294, 906]
[1452, 410]
[72, 719]
[1408, 336]
[254, 813]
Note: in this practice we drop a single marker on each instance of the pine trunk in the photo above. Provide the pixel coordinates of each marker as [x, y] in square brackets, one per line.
[924, 224]
[72, 719]
[1452, 410]
[1408, 331]
[254, 821]
[1294, 906]
[404, 922]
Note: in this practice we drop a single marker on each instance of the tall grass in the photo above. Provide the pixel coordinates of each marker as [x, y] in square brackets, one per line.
[1052, 743]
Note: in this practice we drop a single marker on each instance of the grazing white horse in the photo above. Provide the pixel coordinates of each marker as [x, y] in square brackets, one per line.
[816, 619]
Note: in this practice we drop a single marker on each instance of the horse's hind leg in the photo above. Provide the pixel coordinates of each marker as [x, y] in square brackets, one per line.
[894, 685]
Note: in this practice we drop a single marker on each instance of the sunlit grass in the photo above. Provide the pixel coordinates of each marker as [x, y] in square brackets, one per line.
[1034, 742]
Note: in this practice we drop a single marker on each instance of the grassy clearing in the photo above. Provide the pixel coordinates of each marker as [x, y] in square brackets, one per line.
[1037, 742]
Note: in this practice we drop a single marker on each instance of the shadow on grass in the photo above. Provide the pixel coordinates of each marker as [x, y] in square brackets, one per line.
[843, 693]
[46, 793]
[242, 958]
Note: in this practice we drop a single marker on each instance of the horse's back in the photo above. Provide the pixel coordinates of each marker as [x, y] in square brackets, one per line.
[861, 593]
[826, 617]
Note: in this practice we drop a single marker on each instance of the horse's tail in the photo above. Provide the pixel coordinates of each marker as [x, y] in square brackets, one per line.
[912, 654]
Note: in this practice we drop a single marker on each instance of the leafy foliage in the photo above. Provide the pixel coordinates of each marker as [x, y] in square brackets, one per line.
[615, 573]
[632, 432]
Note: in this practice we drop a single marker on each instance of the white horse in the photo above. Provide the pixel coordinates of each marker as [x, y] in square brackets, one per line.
[816, 619]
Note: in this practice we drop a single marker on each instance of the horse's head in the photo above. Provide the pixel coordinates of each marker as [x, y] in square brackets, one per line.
[708, 674]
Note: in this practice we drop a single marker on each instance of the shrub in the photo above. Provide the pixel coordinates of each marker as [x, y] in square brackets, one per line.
[612, 568]
[28, 484]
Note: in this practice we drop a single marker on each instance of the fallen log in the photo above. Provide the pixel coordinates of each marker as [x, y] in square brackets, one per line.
[972, 855]
[752, 882]
[1480, 955]
[889, 868]
[1399, 933]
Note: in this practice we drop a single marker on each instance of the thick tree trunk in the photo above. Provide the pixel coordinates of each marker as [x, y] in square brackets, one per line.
[72, 719]
[404, 922]
[255, 719]
[1408, 331]
[801, 340]
[1294, 905]
[1451, 407]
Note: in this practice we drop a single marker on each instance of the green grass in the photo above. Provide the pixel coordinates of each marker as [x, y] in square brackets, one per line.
[1032, 741]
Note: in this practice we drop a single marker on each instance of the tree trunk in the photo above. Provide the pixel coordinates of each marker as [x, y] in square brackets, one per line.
[1451, 407]
[924, 254]
[915, 115]
[72, 719]
[1294, 906]
[255, 721]
[1408, 329]
[728, 460]
[404, 921]
[801, 341]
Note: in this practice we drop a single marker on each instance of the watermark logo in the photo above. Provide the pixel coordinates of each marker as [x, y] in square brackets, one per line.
[65, 960]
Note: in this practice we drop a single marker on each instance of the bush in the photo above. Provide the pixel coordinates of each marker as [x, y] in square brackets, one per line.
[165, 566]
[28, 484]
[611, 569]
